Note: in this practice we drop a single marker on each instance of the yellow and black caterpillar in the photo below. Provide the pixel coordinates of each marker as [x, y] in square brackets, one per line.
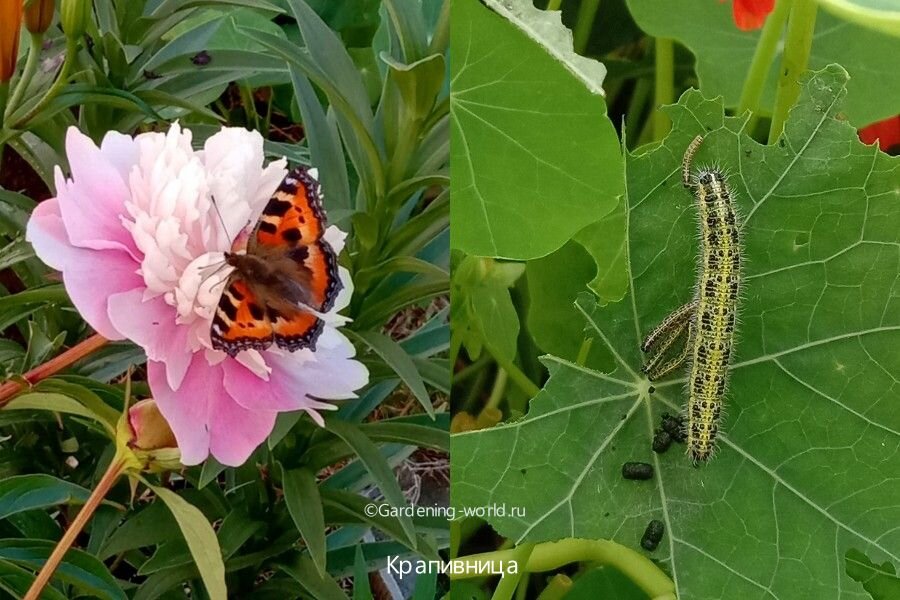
[709, 320]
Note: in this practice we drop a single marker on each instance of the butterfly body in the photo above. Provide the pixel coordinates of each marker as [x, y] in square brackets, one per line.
[288, 273]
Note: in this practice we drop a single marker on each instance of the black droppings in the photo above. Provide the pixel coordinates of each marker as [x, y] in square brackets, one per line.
[637, 470]
[653, 535]
[661, 441]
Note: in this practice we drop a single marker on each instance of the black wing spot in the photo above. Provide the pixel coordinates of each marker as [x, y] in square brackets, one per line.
[256, 311]
[270, 228]
[277, 207]
[291, 235]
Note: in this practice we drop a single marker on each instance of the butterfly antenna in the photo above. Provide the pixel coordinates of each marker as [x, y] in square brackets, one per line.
[221, 220]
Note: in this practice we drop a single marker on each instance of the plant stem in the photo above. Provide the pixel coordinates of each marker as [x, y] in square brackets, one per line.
[249, 106]
[766, 47]
[665, 86]
[553, 4]
[31, 64]
[584, 350]
[4, 95]
[797, 45]
[514, 373]
[62, 78]
[587, 14]
[509, 582]
[52, 366]
[557, 588]
[115, 469]
[498, 390]
[552, 555]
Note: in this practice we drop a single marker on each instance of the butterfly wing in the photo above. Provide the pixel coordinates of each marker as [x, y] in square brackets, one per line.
[241, 321]
[292, 225]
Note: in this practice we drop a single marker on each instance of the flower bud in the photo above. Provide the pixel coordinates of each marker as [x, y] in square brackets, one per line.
[73, 16]
[149, 429]
[39, 15]
[148, 438]
[10, 24]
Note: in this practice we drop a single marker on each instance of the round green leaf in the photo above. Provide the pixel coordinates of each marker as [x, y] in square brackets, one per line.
[535, 159]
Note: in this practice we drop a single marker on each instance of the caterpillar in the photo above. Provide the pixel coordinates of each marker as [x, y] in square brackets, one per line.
[709, 320]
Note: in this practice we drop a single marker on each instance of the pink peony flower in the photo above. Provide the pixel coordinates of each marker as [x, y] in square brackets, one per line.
[133, 233]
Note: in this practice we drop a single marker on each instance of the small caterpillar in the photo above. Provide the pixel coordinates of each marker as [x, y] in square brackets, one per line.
[710, 319]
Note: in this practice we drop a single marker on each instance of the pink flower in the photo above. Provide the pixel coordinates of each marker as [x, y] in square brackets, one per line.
[133, 232]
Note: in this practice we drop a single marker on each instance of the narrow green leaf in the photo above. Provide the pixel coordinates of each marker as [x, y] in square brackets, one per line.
[16, 581]
[397, 358]
[376, 465]
[317, 586]
[56, 403]
[324, 143]
[301, 494]
[78, 568]
[28, 492]
[201, 540]
[361, 588]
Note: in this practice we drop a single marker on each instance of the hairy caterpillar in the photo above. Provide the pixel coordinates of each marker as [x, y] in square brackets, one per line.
[709, 319]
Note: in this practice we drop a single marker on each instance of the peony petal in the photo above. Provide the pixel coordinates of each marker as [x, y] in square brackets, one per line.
[47, 233]
[151, 325]
[91, 277]
[121, 151]
[187, 410]
[92, 205]
[295, 380]
[235, 432]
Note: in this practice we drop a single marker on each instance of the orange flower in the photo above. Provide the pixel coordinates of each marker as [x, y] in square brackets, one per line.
[886, 133]
[39, 15]
[10, 23]
[751, 14]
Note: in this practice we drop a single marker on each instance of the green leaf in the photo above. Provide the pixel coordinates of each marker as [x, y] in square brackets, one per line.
[361, 588]
[301, 494]
[724, 53]
[28, 492]
[78, 568]
[883, 15]
[807, 449]
[200, 538]
[555, 324]
[17, 581]
[324, 144]
[482, 309]
[19, 306]
[535, 159]
[15, 252]
[56, 403]
[393, 354]
[376, 465]
[881, 581]
[317, 586]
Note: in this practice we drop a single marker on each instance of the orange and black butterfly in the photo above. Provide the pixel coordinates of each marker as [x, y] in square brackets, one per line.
[288, 268]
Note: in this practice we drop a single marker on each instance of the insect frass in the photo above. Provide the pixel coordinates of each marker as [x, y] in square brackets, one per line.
[716, 310]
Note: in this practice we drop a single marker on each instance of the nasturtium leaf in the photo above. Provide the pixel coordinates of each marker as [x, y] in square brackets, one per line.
[724, 53]
[883, 15]
[881, 581]
[808, 455]
[535, 158]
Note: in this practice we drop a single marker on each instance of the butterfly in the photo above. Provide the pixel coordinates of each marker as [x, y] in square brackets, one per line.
[288, 268]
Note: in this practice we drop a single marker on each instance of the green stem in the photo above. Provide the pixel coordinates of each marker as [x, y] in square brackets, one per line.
[62, 78]
[509, 582]
[665, 86]
[766, 47]
[635, 111]
[557, 588]
[515, 373]
[584, 351]
[797, 45]
[587, 13]
[553, 4]
[249, 106]
[31, 64]
[498, 389]
[553, 555]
